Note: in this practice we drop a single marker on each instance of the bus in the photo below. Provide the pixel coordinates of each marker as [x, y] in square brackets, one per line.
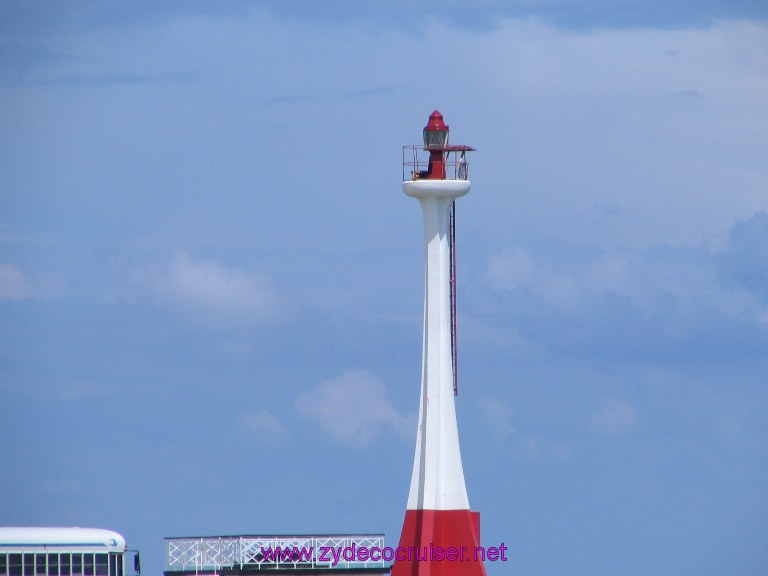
[45, 551]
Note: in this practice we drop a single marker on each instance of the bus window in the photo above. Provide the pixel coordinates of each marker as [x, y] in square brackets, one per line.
[53, 564]
[102, 565]
[65, 564]
[3, 564]
[29, 564]
[87, 564]
[15, 567]
[40, 563]
[77, 564]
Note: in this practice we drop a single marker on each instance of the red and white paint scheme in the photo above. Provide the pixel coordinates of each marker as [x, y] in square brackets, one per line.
[438, 516]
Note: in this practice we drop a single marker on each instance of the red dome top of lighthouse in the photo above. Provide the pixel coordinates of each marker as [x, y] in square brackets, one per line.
[436, 122]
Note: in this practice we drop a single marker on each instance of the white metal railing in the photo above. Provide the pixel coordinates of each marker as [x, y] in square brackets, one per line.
[208, 554]
[456, 166]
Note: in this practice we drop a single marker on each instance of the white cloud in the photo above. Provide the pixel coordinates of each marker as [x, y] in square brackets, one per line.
[353, 408]
[518, 268]
[664, 127]
[683, 281]
[219, 293]
[13, 284]
[613, 416]
[264, 425]
[514, 267]
[499, 418]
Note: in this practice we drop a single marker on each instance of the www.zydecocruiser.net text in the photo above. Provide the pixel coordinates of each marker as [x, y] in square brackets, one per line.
[356, 553]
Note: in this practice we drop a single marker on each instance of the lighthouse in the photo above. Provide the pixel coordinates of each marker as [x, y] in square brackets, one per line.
[440, 532]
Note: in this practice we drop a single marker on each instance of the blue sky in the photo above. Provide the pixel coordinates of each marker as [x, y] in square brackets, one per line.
[211, 281]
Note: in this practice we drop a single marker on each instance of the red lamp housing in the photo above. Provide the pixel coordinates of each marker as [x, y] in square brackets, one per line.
[435, 132]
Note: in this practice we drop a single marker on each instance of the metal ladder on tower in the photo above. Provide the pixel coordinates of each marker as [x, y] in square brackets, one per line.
[452, 280]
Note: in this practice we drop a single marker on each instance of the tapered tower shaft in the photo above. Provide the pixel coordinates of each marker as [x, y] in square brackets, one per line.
[438, 476]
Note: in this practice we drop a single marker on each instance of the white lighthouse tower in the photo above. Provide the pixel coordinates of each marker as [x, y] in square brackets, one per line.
[440, 532]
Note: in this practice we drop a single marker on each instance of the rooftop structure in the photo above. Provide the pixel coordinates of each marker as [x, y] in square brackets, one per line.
[349, 554]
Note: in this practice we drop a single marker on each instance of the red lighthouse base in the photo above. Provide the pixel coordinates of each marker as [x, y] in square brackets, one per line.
[440, 543]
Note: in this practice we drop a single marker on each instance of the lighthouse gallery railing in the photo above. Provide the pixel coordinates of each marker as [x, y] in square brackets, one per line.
[456, 166]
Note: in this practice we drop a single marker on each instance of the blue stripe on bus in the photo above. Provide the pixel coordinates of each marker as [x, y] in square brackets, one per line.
[44, 545]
